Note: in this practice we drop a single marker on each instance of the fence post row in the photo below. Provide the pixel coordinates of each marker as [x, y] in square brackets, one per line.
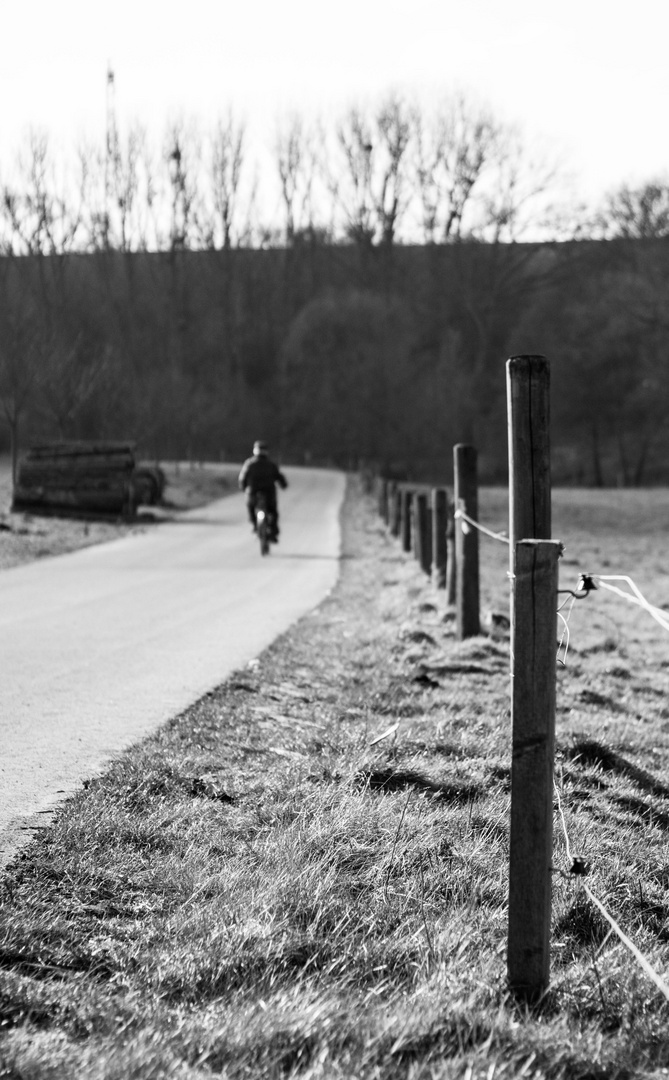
[466, 542]
[534, 583]
[424, 523]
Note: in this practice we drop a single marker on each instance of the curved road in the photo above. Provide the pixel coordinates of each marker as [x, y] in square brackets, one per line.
[101, 646]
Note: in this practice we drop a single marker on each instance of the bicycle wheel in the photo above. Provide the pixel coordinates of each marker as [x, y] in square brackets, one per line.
[263, 533]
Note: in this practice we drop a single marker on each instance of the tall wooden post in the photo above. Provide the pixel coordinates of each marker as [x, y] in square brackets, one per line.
[466, 542]
[423, 533]
[450, 555]
[534, 578]
[528, 398]
[439, 551]
[407, 507]
[534, 635]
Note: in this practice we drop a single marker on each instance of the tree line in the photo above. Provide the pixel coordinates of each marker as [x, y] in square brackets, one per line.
[368, 318]
[392, 172]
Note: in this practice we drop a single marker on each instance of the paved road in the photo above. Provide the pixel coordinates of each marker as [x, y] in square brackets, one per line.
[100, 647]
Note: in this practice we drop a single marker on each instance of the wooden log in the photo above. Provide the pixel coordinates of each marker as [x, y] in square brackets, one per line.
[76, 479]
[466, 542]
[80, 461]
[108, 500]
[533, 735]
[78, 449]
[85, 477]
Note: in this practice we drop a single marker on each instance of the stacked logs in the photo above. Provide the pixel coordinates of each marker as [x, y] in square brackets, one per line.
[77, 478]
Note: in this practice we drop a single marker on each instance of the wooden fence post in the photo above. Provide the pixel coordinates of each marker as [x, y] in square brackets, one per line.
[396, 511]
[534, 636]
[407, 501]
[534, 577]
[450, 555]
[466, 542]
[439, 551]
[528, 398]
[423, 542]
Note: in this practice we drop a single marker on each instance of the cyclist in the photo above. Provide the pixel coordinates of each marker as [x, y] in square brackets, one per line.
[260, 474]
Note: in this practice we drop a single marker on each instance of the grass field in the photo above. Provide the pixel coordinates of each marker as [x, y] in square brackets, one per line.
[305, 873]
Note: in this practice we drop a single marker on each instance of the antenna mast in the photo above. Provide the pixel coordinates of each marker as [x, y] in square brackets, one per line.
[111, 151]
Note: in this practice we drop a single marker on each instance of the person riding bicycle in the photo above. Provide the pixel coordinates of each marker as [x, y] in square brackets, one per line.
[261, 475]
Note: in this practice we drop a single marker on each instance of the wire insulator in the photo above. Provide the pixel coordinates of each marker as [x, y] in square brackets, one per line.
[586, 583]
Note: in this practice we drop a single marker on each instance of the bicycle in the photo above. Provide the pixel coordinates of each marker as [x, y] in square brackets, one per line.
[264, 523]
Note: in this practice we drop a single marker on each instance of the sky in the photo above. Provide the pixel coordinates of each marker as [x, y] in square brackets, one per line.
[587, 78]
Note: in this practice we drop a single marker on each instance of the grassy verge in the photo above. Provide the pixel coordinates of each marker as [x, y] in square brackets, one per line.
[305, 873]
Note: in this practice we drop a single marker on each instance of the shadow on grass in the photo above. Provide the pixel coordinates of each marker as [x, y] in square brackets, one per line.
[589, 752]
[381, 779]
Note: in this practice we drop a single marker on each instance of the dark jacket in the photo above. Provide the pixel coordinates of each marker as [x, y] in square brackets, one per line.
[259, 473]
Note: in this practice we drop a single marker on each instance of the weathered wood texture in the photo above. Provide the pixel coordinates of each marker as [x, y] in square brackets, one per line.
[534, 637]
[77, 477]
[466, 542]
[528, 399]
[423, 532]
[439, 524]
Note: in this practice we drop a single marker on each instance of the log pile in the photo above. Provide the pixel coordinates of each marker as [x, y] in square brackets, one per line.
[77, 478]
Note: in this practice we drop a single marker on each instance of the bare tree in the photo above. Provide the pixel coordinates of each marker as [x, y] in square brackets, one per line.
[454, 146]
[516, 193]
[372, 189]
[37, 210]
[352, 190]
[183, 156]
[223, 210]
[116, 194]
[636, 213]
[393, 133]
[296, 160]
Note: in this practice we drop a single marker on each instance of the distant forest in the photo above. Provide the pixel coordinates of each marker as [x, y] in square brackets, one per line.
[147, 298]
[344, 354]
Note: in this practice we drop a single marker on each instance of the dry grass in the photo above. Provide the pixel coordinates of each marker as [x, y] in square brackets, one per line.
[305, 873]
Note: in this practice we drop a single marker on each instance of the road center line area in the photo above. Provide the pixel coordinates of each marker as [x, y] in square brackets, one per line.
[101, 646]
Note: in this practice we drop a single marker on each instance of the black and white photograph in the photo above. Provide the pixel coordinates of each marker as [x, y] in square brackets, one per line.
[334, 518]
